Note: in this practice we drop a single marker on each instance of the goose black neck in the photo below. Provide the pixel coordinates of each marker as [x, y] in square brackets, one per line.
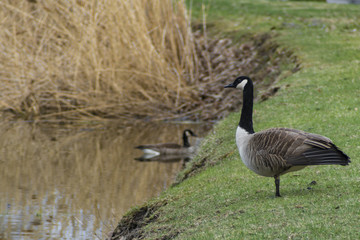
[186, 140]
[247, 108]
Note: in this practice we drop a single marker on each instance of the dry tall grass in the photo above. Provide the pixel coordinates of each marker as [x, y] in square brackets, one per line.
[74, 59]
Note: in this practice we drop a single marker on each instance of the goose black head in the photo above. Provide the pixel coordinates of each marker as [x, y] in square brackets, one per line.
[240, 82]
[189, 133]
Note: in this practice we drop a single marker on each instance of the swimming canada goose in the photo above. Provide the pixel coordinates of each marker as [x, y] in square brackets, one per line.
[276, 151]
[170, 148]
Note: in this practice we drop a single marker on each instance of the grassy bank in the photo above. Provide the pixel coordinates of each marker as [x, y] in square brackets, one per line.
[226, 200]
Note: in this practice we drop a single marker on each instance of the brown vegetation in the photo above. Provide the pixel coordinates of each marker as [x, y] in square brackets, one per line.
[94, 58]
[118, 59]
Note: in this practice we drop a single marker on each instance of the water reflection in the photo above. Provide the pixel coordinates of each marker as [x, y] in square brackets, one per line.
[164, 158]
[76, 184]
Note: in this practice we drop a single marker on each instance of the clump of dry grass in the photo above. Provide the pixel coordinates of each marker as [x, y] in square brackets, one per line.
[75, 59]
[121, 59]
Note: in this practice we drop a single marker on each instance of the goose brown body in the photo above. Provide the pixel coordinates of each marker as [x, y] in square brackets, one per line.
[167, 149]
[276, 151]
[170, 148]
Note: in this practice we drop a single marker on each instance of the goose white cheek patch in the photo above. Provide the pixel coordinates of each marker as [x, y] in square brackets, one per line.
[242, 84]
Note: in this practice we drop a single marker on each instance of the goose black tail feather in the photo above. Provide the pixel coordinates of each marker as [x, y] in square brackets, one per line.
[318, 156]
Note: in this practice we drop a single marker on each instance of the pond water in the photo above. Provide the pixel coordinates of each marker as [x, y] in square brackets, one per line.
[66, 183]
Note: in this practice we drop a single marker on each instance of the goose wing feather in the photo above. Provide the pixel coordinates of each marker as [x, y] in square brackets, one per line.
[282, 148]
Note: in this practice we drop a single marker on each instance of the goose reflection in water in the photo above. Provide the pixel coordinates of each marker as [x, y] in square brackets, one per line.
[164, 158]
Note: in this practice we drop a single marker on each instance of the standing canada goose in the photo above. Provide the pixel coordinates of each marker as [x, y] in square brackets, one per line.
[170, 148]
[276, 151]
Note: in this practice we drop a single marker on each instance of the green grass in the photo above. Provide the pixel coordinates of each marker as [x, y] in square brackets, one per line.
[228, 201]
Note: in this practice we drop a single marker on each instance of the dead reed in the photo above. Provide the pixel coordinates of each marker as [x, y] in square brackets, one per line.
[75, 59]
[122, 59]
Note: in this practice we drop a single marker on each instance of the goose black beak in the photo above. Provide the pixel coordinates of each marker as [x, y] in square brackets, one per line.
[231, 85]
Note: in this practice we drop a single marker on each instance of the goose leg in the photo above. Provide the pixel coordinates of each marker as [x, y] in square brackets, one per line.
[277, 185]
